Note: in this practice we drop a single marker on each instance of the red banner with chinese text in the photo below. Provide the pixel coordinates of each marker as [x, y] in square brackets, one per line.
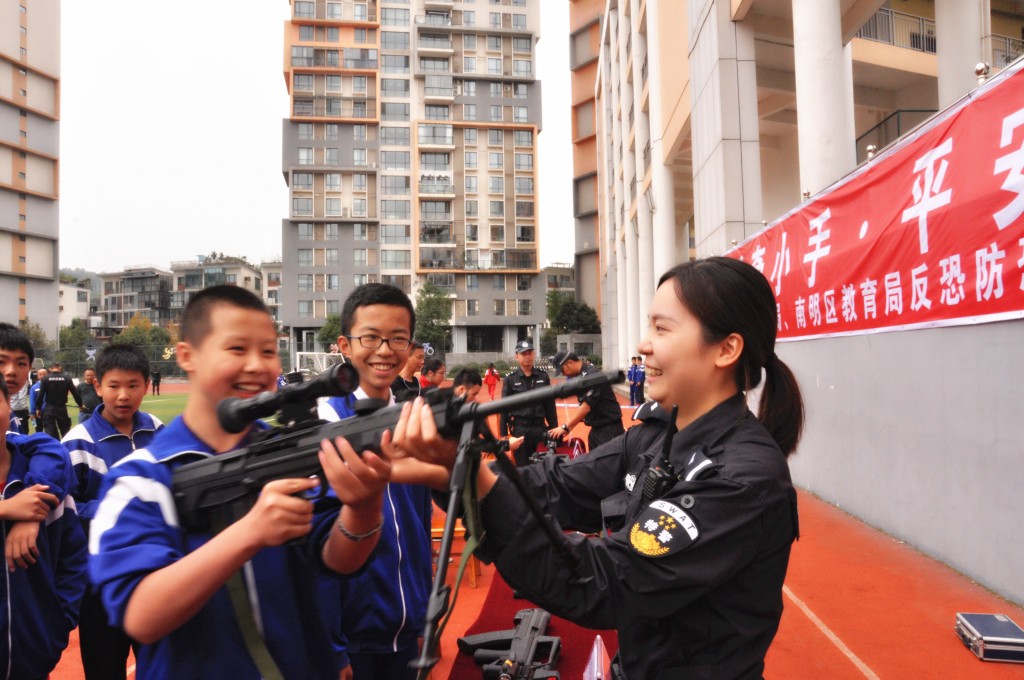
[928, 233]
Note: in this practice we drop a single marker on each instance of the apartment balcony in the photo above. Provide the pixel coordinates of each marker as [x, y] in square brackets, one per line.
[438, 95]
[346, 11]
[438, 5]
[334, 107]
[438, 238]
[437, 223]
[1005, 50]
[436, 140]
[436, 261]
[520, 259]
[434, 47]
[442, 188]
[901, 30]
[433, 20]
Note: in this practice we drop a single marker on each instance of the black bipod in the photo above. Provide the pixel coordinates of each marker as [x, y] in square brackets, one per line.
[472, 443]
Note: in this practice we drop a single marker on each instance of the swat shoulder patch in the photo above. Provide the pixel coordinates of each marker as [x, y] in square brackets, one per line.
[662, 529]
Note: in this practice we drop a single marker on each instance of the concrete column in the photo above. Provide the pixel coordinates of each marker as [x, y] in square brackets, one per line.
[645, 227]
[961, 29]
[823, 99]
[726, 147]
[622, 336]
[665, 254]
[629, 179]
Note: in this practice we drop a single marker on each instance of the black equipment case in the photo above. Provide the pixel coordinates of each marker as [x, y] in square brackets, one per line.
[992, 637]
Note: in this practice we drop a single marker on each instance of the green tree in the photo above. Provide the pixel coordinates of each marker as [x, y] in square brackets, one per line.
[576, 317]
[555, 300]
[330, 331]
[73, 340]
[137, 332]
[37, 336]
[549, 341]
[433, 316]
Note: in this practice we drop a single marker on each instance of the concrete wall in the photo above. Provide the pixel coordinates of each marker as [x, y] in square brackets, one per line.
[919, 433]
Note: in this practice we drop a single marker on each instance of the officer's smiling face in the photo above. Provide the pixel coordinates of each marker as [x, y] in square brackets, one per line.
[681, 366]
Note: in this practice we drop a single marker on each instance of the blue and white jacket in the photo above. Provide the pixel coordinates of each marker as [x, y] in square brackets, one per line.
[135, 532]
[40, 603]
[95, 446]
[383, 608]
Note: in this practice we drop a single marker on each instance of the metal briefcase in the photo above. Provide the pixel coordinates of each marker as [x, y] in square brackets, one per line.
[992, 637]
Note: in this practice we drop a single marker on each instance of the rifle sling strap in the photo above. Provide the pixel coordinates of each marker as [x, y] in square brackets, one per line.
[473, 534]
[247, 624]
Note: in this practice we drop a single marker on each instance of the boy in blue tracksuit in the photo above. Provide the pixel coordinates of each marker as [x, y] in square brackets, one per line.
[168, 587]
[116, 429]
[39, 593]
[382, 610]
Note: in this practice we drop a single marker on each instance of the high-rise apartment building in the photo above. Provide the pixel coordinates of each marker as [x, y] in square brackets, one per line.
[29, 159]
[410, 155]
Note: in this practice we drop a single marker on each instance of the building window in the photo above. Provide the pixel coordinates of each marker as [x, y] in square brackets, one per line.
[305, 257]
[522, 45]
[519, 22]
[332, 181]
[470, 160]
[524, 161]
[472, 308]
[496, 185]
[333, 306]
[395, 259]
[359, 182]
[472, 282]
[305, 156]
[524, 138]
[306, 308]
[305, 131]
[472, 184]
[468, 18]
[493, 66]
[359, 157]
[302, 181]
[469, 88]
[497, 209]
[520, 114]
[361, 33]
[472, 209]
[499, 308]
[331, 257]
[469, 136]
[524, 185]
[305, 10]
[333, 207]
[302, 206]
[331, 231]
[305, 282]
[394, 17]
[330, 156]
[495, 137]
[332, 131]
[468, 112]
[495, 160]
[306, 33]
[497, 233]
[522, 67]
[395, 233]
[525, 307]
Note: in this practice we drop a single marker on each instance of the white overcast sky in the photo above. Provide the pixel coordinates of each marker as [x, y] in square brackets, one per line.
[171, 120]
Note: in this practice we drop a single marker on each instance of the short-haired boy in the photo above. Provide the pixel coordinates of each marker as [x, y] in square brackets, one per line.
[467, 382]
[49, 466]
[40, 600]
[116, 429]
[16, 356]
[383, 609]
[166, 585]
[433, 373]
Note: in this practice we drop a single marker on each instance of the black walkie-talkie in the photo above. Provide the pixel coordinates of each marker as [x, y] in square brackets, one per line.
[661, 477]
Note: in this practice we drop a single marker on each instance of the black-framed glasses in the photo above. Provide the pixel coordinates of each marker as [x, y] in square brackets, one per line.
[375, 341]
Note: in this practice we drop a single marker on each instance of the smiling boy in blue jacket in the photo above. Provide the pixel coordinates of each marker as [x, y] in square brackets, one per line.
[116, 429]
[40, 595]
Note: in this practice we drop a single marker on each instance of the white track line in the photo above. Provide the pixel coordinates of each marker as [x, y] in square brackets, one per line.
[863, 667]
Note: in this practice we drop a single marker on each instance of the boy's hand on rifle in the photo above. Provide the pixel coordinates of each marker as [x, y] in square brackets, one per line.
[356, 479]
[280, 513]
[416, 435]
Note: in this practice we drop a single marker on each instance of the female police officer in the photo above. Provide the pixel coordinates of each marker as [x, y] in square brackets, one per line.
[691, 572]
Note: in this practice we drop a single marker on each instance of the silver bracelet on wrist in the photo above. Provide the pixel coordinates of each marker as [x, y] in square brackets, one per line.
[358, 537]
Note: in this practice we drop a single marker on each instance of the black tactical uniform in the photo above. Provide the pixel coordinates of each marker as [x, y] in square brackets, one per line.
[605, 416]
[54, 389]
[527, 422]
[692, 580]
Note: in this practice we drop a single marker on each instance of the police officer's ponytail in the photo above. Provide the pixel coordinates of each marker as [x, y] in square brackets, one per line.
[730, 296]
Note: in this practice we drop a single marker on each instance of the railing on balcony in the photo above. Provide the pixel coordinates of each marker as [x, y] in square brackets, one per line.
[321, 108]
[450, 262]
[437, 187]
[1005, 49]
[437, 139]
[433, 20]
[438, 238]
[434, 44]
[900, 29]
[892, 127]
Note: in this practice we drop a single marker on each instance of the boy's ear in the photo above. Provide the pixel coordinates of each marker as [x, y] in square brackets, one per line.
[183, 355]
[344, 347]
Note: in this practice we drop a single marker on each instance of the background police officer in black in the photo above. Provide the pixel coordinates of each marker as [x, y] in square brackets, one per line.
[54, 390]
[531, 422]
[599, 409]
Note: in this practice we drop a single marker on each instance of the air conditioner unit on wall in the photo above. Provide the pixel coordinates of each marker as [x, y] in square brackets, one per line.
[344, 211]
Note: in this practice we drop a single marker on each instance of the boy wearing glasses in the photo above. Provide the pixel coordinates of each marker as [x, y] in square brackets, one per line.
[378, 616]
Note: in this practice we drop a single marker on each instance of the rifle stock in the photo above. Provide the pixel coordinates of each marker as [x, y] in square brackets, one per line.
[513, 654]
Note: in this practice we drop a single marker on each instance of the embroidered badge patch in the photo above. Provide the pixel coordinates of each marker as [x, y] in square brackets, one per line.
[662, 529]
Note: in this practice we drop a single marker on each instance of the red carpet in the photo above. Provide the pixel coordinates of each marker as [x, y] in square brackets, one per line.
[496, 614]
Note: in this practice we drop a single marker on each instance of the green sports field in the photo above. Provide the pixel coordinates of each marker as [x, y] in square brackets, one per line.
[165, 406]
